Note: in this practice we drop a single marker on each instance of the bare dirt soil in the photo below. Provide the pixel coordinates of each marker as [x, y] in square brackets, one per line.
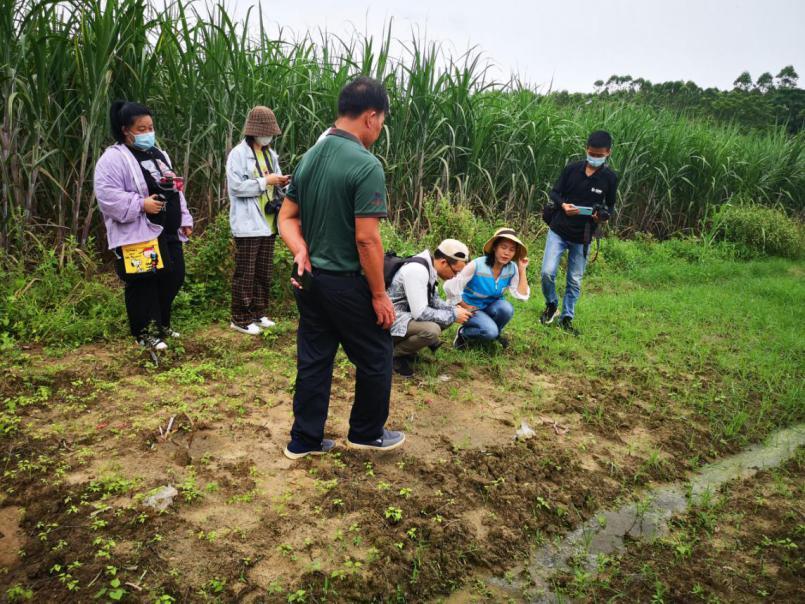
[100, 429]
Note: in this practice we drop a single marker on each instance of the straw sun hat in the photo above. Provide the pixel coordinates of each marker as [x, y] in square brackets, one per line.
[261, 122]
[507, 233]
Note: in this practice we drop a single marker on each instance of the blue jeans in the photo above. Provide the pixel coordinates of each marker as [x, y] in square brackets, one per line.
[487, 324]
[555, 246]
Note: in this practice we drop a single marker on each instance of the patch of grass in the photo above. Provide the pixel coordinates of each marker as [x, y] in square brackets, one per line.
[757, 230]
[719, 337]
[63, 298]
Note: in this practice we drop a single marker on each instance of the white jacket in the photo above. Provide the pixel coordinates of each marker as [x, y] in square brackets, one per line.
[246, 217]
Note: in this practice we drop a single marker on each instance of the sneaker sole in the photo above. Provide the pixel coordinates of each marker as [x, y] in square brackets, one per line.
[552, 319]
[353, 445]
[162, 346]
[243, 330]
[291, 455]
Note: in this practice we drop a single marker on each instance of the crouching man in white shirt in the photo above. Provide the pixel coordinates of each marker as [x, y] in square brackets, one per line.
[421, 314]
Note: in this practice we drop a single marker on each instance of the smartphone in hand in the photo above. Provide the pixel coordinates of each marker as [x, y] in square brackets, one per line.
[306, 280]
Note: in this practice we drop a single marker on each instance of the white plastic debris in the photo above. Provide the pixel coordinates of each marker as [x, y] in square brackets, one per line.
[444, 378]
[162, 498]
[524, 432]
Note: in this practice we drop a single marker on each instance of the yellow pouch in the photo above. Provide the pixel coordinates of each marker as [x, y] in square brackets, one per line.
[145, 257]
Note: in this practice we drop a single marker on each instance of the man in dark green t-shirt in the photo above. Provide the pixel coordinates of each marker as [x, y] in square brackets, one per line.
[330, 220]
[339, 180]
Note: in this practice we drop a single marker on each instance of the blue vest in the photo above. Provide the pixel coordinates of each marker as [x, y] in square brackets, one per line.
[482, 289]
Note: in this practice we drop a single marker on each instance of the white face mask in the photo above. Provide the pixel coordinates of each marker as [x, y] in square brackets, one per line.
[596, 162]
[264, 141]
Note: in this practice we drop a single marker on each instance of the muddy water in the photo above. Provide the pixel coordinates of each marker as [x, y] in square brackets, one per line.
[604, 533]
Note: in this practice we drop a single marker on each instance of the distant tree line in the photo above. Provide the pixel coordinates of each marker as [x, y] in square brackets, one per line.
[768, 101]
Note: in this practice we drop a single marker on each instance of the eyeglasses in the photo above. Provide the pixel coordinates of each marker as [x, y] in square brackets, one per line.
[454, 271]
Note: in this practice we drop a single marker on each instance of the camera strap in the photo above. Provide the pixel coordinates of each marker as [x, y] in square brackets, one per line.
[157, 157]
[267, 158]
[597, 236]
[592, 231]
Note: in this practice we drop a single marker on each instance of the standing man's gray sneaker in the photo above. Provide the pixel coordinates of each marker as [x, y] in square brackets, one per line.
[297, 450]
[391, 439]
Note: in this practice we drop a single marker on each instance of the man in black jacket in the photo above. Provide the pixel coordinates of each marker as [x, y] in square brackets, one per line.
[583, 197]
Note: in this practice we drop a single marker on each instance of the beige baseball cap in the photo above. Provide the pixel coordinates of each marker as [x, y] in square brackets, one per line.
[453, 248]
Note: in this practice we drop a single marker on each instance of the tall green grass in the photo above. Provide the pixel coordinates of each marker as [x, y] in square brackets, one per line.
[452, 130]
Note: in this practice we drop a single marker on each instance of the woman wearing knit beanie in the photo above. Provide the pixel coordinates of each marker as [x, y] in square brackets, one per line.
[256, 189]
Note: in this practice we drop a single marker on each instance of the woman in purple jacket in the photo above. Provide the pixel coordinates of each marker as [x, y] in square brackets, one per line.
[147, 221]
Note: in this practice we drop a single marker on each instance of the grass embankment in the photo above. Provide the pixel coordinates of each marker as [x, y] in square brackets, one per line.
[685, 355]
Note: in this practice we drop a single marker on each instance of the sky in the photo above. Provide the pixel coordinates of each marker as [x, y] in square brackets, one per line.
[558, 45]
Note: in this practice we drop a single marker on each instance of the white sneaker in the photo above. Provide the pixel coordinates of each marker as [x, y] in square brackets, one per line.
[152, 343]
[252, 329]
[266, 323]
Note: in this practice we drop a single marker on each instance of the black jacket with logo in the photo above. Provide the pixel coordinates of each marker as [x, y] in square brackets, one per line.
[574, 186]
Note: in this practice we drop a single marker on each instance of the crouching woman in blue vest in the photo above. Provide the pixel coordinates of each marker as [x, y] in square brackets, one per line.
[481, 284]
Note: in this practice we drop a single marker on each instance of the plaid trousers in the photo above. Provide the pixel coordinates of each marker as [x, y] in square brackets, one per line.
[251, 283]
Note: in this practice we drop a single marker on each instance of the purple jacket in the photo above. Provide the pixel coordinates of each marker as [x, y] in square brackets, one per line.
[120, 189]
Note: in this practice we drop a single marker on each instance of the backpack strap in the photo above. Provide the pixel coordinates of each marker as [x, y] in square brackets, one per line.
[423, 262]
[392, 263]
